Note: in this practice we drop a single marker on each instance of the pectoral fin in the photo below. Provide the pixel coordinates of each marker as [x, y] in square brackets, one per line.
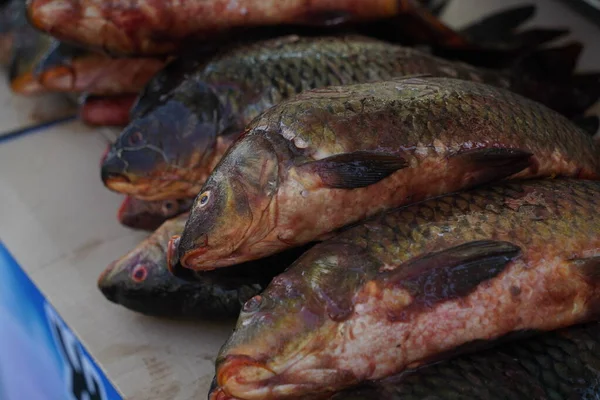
[488, 165]
[452, 273]
[355, 170]
[588, 267]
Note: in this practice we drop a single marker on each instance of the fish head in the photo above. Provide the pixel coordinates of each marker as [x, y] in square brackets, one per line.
[149, 215]
[169, 151]
[141, 281]
[234, 207]
[279, 348]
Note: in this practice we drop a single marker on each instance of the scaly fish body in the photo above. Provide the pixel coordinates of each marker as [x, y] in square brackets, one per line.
[558, 365]
[150, 215]
[169, 150]
[330, 157]
[414, 285]
[141, 281]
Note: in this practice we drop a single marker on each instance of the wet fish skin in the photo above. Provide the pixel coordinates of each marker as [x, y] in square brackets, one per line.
[150, 215]
[67, 68]
[330, 157]
[141, 282]
[110, 110]
[133, 27]
[402, 289]
[563, 364]
[213, 105]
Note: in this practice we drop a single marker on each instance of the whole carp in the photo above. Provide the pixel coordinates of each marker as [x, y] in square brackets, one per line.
[417, 285]
[141, 281]
[150, 215]
[557, 365]
[171, 148]
[142, 27]
[330, 157]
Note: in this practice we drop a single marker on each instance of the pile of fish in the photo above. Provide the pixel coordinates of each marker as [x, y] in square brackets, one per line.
[391, 208]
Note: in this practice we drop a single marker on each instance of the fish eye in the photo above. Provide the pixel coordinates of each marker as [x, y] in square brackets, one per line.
[139, 273]
[169, 207]
[253, 304]
[135, 138]
[204, 197]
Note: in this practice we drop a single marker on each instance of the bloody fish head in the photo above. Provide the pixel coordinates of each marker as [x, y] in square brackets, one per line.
[276, 349]
[234, 204]
[167, 152]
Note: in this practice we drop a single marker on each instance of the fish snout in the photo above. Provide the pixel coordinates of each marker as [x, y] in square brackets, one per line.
[108, 290]
[189, 250]
[241, 376]
[113, 170]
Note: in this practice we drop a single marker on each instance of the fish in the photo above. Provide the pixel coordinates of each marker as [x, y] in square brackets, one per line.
[27, 47]
[143, 28]
[112, 110]
[418, 285]
[141, 282]
[563, 364]
[67, 68]
[159, 156]
[333, 156]
[150, 215]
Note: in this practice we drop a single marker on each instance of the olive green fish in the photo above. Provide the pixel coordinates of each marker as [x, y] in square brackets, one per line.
[169, 150]
[140, 281]
[331, 157]
[558, 365]
[415, 285]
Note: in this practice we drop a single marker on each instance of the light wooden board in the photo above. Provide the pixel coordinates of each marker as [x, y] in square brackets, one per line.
[60, 223]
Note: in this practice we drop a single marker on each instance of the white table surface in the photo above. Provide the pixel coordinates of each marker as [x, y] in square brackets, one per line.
[59, 222]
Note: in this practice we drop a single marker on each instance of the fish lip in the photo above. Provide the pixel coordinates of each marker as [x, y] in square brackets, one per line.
[188, 259]
[106, 272]
[228, 369]
[218, 393]
[195, 249]
[123, 208]
[109, 291]
[172, 254]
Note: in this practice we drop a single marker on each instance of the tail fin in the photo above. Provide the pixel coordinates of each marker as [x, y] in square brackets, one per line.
[498, 27]
[436, 7]
[547, 75]
[494, 41]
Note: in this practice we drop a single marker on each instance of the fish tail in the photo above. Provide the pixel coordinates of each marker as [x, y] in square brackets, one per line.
[548, 75]
[436, 7]
[500, 26]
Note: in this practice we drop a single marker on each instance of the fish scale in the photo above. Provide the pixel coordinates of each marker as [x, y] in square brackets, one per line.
[420, 228]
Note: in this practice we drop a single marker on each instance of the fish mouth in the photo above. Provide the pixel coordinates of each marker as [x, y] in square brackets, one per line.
[149, 188]
[112, 170]
[26, 84]
[241, 377]
[217, 393]
[194, 257]
[58, 78]
[109, 291]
